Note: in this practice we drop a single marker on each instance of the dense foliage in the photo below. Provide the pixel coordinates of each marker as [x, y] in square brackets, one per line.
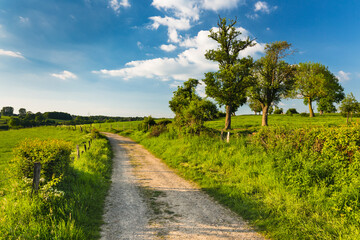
[190, 109]
[314, 82]
[54, 156]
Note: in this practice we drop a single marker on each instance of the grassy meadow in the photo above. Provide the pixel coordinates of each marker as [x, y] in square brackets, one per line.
[297, 179]
[70, 210]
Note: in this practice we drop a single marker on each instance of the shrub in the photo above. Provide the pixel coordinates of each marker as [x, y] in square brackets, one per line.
[304, 114]
[54, 156]
[291, 111]
[95, 133]
[146, 124]
[157, 130]
[278, 110]
[164, 122]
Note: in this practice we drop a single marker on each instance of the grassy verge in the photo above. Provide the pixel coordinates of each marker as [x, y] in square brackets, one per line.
[281, 191]
[70, 210]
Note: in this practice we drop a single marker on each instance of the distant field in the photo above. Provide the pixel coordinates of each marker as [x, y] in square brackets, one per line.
[253, 122]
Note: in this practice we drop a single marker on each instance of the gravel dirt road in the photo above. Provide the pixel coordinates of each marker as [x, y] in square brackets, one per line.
[147, 200]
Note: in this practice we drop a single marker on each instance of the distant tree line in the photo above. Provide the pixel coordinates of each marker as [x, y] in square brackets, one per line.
[28, 119]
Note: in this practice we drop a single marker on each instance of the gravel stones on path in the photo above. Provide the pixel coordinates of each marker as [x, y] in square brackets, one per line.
[148, 200]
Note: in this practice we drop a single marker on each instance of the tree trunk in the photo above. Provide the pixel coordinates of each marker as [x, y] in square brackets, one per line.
[265, 116]
[321, 112]
[347, 119]
[310, 108]
[351, 116]
[228, 118]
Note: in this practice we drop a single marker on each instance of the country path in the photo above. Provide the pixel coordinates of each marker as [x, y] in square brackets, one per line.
[147, 200]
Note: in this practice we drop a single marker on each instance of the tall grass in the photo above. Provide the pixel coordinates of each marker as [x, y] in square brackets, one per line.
[284, 191]
[70, 210]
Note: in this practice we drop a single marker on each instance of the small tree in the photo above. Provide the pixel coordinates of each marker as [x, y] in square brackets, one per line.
[348, 106]
[278, 110]
[228, 85]
[190, 109]
[22, 112]
[7, 111]
[273, 77]
[254, 105]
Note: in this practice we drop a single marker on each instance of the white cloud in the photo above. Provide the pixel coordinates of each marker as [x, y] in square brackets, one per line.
[11, 54]
[139, 44]
[64, 75]
[191, 63]
[264, 7]
[173, 25]
[117, 4]
[268, 29]
[252, 16]
[180, 8]
[216, 5]
[24, 19]
[181, 14]
[168, 48]
[343, 76]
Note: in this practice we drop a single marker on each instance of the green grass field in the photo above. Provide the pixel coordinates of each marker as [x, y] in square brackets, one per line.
[253, 122]
[291, 180]
[74, 210]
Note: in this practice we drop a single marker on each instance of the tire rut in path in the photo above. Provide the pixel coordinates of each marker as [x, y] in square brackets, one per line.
[147, 200]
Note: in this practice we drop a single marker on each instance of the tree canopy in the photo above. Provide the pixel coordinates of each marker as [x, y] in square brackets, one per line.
[228, 85]
[314, 82]
[273, 78]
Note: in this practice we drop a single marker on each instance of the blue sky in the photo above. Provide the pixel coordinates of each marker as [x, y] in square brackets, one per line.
[126, 57]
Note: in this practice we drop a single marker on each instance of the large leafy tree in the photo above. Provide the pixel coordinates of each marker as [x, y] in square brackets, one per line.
[349, 106]
[228, 85]
[273, 77]
[314, 82]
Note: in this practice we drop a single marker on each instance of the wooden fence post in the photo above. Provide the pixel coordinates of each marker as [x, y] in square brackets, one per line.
[222, 135]
[78, 152]
[80, 129]
[36, 179]
[228, 137]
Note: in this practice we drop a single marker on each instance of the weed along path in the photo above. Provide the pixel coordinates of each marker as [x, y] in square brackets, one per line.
[147, 200]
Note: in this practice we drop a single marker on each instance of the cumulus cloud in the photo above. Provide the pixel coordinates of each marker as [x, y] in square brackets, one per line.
[11, 54]
[168, 48]
[117, 4]
[173, 25]
[216, 5]
[181, 14]
[343, 76]
[261, 7]
[180, 8]
[64, 75]
[190, 63]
